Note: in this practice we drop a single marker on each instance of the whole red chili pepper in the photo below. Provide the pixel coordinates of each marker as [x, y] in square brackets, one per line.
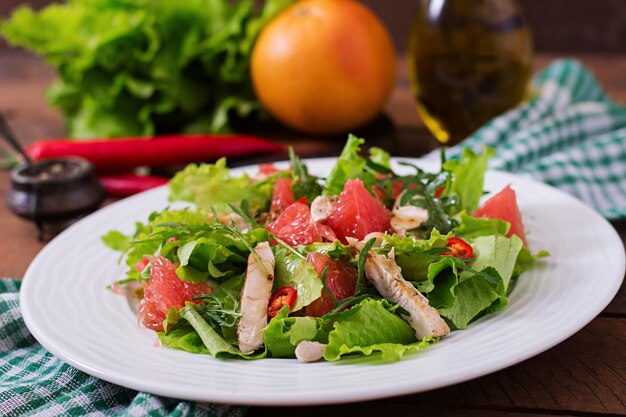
[127, 153]
[124, 185]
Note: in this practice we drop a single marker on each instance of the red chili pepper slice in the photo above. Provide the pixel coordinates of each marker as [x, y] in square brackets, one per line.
[283, 296]
[302, 200]
[459, 248]
[439, 191]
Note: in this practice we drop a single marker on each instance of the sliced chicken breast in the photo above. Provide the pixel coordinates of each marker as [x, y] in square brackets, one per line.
[386, 275]
[255, 296]
[322, 206]
[405, 218]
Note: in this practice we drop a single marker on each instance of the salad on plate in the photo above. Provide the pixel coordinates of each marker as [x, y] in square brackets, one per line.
[287, 264]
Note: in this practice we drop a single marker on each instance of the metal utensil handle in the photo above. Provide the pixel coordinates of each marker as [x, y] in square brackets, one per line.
[7, 133]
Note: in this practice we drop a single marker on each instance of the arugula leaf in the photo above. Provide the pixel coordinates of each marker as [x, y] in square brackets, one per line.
[304, 184]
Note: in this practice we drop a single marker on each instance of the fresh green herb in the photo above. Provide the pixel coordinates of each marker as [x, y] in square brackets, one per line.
[325, 288]
[360, 285]
[215, 309]
[304, 184]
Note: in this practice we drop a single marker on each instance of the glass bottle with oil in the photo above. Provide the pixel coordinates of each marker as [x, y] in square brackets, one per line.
[469, 61]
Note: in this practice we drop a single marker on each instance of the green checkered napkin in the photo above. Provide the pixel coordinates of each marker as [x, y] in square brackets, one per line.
[569, 135]
[35, 383]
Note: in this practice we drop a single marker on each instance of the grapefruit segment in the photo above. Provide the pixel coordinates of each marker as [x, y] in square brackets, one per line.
[282, 197]
[163, 291]
[340, 280]
[504, 206]
[295, 226]
[357, 213]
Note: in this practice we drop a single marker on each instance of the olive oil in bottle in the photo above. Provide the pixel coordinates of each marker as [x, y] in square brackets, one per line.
[469, 61]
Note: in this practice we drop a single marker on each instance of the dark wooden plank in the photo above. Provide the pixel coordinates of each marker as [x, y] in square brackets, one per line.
[585, 375]
[385, 409]
[557, 25]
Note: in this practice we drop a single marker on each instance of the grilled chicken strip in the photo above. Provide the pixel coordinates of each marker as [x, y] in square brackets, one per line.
[386, 276]
[255, 296]
[405, 218]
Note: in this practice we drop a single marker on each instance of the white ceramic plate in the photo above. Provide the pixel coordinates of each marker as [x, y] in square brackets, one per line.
[68, 310]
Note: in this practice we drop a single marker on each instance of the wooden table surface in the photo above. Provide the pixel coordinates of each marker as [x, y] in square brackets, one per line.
[583, 376]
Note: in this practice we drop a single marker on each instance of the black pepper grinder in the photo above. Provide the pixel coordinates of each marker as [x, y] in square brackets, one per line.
[53, 191]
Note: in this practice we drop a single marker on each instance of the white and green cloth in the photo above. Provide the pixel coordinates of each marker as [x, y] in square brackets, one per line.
[569, 135]
[35, 383]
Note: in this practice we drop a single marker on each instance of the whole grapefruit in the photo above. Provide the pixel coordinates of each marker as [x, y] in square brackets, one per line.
[324, 66]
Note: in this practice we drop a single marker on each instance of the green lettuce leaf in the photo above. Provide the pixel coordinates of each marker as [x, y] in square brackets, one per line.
[336, 250]
[469, 176]
[295, 271]
[380, 157]
[183, 338]
[349, 165]
[116, 240]
[373, 328]
[472, 227]
[283, 333]
[473, 297]
[215, 344]
[408, 254]
[498, 252]
[139, 67]
[526, 259]
[212, 186]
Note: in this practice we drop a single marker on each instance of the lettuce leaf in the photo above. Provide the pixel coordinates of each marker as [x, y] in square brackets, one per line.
[215, 344]
[526, 259]
[469, 175]
[212, 186]
[498, 252]
[138, 67]
[473, 297]
[295, 271]
[350, 164]
[408, 254]
[462, 295]
[139, 243]
[471, 227]
[373, 328]
[183, 338]
[283, 333]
